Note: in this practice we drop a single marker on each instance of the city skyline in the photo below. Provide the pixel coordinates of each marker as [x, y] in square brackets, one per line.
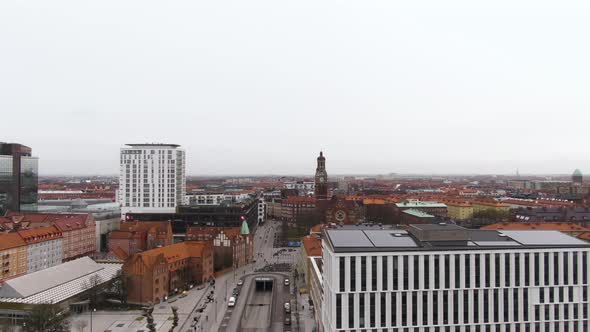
[381, 87]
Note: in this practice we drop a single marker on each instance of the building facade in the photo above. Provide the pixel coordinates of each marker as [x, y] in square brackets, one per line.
[459, 210]
[294, 206]
[79, 235]
[44, 247]
[447, 278]
[233, 247]
[78, 229]
[155, 274]
[13, 256]
[134, 236]
[152, 178]
[18, 178]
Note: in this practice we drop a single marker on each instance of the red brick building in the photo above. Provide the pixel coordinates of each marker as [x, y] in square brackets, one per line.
[134, 236]
[231, 248]
[293, 206]
[340, 210]
[155, 274]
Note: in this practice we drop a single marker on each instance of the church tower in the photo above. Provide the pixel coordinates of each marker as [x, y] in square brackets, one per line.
[321, 178]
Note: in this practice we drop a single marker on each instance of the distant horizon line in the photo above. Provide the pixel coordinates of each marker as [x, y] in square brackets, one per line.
[244, 175]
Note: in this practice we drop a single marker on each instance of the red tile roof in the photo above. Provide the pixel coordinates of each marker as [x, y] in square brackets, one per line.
[41, 234]
[312, 245]
[10, 241]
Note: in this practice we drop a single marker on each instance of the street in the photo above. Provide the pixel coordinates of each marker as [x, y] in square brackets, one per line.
[210, 315]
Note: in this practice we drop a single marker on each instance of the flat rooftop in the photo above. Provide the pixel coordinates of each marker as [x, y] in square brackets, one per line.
[152, 145]
[442, 237]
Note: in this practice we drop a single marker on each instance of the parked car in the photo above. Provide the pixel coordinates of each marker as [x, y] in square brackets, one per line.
[231, 302]
[287, 320]
[286, 281]
[287, 307]
[235, 292]
[240, 282]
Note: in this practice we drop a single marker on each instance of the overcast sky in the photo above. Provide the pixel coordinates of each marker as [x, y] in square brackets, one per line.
[258, 87]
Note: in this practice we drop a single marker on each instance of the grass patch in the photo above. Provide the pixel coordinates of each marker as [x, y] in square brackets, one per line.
[140, 318]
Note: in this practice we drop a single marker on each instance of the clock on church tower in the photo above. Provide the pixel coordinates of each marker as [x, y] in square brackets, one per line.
[321, 178]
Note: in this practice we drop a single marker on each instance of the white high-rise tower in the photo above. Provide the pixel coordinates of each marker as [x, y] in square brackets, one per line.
[152, 178]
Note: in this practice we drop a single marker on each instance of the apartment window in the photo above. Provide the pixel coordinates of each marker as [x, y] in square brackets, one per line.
[394, 274]
[393, 310]
[405, 272]
[342, 272]
[338, 311]
[487, 266]
[372, 310]
[447, 281]
[373, 273]
[352, 274]
[383, 310]
[477, 270]
[384, 273]
[417, 273]
[364, 274]
[427, 272]
[536, 274]
[362, 310]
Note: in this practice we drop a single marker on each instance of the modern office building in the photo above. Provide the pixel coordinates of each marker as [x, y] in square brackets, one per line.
[437, 277]
[152, 178]
[18, 178]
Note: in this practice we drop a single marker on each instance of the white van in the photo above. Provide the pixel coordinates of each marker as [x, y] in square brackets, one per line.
[231, 302]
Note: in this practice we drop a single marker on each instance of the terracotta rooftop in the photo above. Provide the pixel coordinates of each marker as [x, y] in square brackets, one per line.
[175, 252]
[312, 245]
[145, 226]
[41, 234]
[11, 240]
[63, 221]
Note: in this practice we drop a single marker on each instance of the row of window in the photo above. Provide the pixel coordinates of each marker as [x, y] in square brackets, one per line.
[427, 308]
[444, 271]
[575, 326]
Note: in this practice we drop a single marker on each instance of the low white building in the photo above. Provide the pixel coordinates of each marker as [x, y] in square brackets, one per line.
[435, 278]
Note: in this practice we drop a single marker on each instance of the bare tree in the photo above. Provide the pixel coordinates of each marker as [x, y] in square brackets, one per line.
[174, 319]
[47, 318]
[80, 325]
[121, 287]
[91, 287]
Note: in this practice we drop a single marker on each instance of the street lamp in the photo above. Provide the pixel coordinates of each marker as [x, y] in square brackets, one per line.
[93, 310]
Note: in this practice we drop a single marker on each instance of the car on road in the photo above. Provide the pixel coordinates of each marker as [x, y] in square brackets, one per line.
[235, 292]
[231, 302]
[240, 282]
[286, 281]
[287, 320]
[287, 307]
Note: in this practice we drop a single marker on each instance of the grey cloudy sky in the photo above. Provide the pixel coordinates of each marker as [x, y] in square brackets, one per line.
[261, 86]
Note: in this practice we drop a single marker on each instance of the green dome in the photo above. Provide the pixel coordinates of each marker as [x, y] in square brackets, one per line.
[245, 230]
[577, 172]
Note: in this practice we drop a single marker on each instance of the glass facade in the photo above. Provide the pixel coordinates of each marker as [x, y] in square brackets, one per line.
[6, 184]
[18, 178]
[29, 181]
